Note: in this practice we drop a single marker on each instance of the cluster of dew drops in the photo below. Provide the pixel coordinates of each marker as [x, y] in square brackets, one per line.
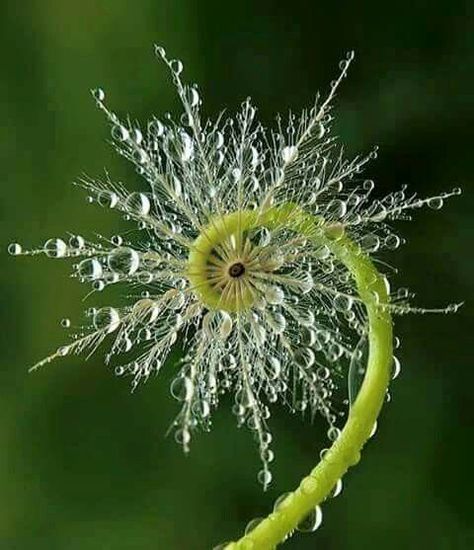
[303, 151]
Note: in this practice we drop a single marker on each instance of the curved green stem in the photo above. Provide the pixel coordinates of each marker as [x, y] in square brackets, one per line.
[372, 289]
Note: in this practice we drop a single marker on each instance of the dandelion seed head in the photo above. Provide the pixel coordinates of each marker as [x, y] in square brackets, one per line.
[263, 310]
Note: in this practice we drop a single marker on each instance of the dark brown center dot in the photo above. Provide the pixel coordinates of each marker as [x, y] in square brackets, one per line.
[236, 270]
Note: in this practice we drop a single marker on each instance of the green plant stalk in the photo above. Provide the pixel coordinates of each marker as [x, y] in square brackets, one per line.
[373, 291]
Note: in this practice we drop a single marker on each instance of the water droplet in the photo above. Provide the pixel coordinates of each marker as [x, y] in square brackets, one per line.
[63, 350]
[336, 209]
[289, 153]
[252, 524]
[336, 490]
[90, 268]
[374, 429]
[396, 367]
[304, 357]
[277, 322]
[176, 66]
[183, 437]
[77, 242]
[264, 477]
[156, 128]
[309, 485]
[123, 261]
[312, 521]
[342, 302]
[14, 249]
[187, 147]
[55, 248]
[65, 323]
[282, 502]
[107, 319]
[138, 203]
[107, 199]
[159, 50]
[120, 133]
[193, 97]
[370, 242]
[274, 295]
[140, 156]
[392, 242]
[435, 203]
[333, 433]
[219, 140]
[98, 94]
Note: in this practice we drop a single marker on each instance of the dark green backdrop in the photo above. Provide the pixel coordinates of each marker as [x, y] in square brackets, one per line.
[84, 464]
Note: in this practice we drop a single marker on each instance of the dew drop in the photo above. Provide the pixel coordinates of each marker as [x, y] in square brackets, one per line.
[107, 319]
[159, 50]
[107, 199]
[252, 524]
[308, 486]
[193, 97]
[336, 490]
[120, 133]
[264, 477]
[77, 242]
[63, 350]
[14, 249]
[304, 357]
[312, 521]
[342, 302]
[435, 203]
[392, 242]
[156, 128]
[336, 209]
[98, 94]
[289, 153]
[277, 322]
[55, 248]
[219, 140]
[138, 203]
[90, 268]
[396, 368]
[140, 156]
[370, 242]
[274, 295]
[123, 261]
[65, 323]
[176, 66]
[282, 502]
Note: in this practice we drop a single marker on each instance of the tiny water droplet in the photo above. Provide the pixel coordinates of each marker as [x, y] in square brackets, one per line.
[98, 94]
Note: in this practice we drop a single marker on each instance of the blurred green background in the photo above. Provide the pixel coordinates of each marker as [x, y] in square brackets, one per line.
[85, 465]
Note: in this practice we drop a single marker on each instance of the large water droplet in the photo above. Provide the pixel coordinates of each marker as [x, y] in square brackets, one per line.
[304, 357]
[138, 203]
[108, 199]
[312, 521]
[90, 268]
[107, 319]
[274, 295]
[55, 248]
[77, 242]
[120, 133]
[124, 261]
